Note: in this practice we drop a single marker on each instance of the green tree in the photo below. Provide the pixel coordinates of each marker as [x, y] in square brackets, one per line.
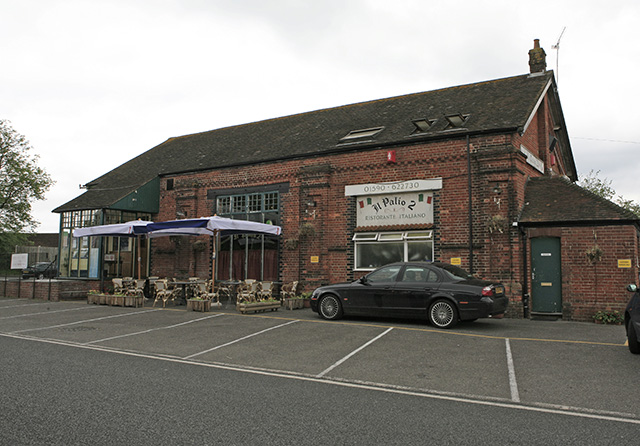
[602, 188]
[22, 182]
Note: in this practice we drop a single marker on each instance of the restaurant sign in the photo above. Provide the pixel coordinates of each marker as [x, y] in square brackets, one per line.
[406, 208]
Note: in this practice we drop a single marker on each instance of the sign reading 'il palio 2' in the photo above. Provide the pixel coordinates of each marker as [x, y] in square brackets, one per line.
[394, 204]
[408, 208]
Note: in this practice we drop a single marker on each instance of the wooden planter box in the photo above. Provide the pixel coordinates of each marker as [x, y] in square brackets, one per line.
[134, 301]
[117, 300]
[293, 304]
[257, 306]
[99, 299]
[198, 305]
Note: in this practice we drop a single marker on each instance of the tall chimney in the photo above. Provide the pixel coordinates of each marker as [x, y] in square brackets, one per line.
[537, 58]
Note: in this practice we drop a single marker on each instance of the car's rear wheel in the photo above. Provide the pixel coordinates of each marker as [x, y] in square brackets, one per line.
[632, 339]
[443, 314]
[330, 307]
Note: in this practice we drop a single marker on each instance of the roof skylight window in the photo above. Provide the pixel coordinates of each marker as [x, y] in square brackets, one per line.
[456, 120]
[355, 135]
[422, 125]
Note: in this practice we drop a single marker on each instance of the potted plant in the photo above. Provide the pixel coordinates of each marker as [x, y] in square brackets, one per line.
[306, 298]
[608, 317]
[594, 254]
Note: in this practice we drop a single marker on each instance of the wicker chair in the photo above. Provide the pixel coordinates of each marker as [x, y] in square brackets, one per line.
[265, 290]
[247, 291]
[163, 292]
[289, 290]
[118, 287]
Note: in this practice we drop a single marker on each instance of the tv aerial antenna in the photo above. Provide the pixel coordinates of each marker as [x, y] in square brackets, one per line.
[557, 48]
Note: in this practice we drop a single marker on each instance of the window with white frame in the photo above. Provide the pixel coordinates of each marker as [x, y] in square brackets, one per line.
[375, 249]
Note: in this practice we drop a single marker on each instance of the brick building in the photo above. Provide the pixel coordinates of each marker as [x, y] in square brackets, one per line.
[479, 175]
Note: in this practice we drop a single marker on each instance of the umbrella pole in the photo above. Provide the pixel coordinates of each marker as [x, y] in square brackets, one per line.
[213, 263]
[139, 258]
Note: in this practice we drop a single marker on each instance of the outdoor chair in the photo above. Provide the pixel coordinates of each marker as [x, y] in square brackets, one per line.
[136, 288]
[289, 290]
[162, 293]
[265, 290]
[247, 291]
[202, 290]
[118, 287]
[152, 287]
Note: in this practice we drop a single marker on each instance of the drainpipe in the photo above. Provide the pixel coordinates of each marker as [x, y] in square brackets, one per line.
[470, 207]
[525, 280]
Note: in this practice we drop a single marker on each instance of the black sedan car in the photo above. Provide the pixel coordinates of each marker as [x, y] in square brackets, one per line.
[443, 293]
[40, 270]
[632, 320]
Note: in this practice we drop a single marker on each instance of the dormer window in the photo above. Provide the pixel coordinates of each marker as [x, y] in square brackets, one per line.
[363, 134]
[456, 120]
[422, 125]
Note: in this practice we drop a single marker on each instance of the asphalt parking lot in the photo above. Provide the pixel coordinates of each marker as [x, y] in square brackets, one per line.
[545, 364]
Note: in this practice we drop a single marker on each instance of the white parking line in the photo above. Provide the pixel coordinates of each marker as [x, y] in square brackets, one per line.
[238, 340]
[44, 312]
[321, 374]
[556, 410]
[151, 329]
[513, 385]
[22, 305]
[81, 322]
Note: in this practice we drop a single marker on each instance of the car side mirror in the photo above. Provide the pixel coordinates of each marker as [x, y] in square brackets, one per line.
[363, 280]
[632, 287]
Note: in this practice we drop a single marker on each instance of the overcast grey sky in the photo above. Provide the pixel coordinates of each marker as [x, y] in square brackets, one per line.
[92, 84]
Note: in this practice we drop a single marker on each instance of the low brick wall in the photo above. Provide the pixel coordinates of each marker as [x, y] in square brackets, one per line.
[45, 289]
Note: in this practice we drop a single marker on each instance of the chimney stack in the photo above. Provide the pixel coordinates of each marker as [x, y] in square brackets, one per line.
[537, 58]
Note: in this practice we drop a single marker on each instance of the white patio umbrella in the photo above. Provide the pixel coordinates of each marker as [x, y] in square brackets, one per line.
[213, 226]
[128, 229]
[135, 228]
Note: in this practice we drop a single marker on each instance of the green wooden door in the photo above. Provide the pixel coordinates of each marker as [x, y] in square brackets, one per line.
[546, 275]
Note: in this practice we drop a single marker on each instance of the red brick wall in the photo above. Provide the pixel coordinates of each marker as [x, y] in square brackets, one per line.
[53, 290]
[322, 180]
[496, 160]
[588, 287]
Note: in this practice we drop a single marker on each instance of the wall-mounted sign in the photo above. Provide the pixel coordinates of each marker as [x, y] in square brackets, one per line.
[456, 261]
[533, 160]
[624, 263]
[315, 259]
[397, 187]
[395, 209]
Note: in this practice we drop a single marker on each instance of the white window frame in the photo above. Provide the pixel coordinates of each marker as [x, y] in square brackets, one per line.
[376, 238]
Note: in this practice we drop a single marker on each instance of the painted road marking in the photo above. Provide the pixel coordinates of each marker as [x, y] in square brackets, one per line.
[81, 322]
[336, 364]
[513, 385]
[547, 409]
[238, 340]
[152, 329]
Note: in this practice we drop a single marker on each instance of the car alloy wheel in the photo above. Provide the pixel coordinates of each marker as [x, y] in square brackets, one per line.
[443, 314]
[632, 338]
[330, 307]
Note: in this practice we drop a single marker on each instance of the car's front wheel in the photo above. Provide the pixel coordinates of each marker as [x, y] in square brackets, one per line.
[632, 339]
[330, 307]
[443, 314]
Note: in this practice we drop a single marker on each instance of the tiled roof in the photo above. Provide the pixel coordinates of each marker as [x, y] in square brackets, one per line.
[557, 200]
[498, 105]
